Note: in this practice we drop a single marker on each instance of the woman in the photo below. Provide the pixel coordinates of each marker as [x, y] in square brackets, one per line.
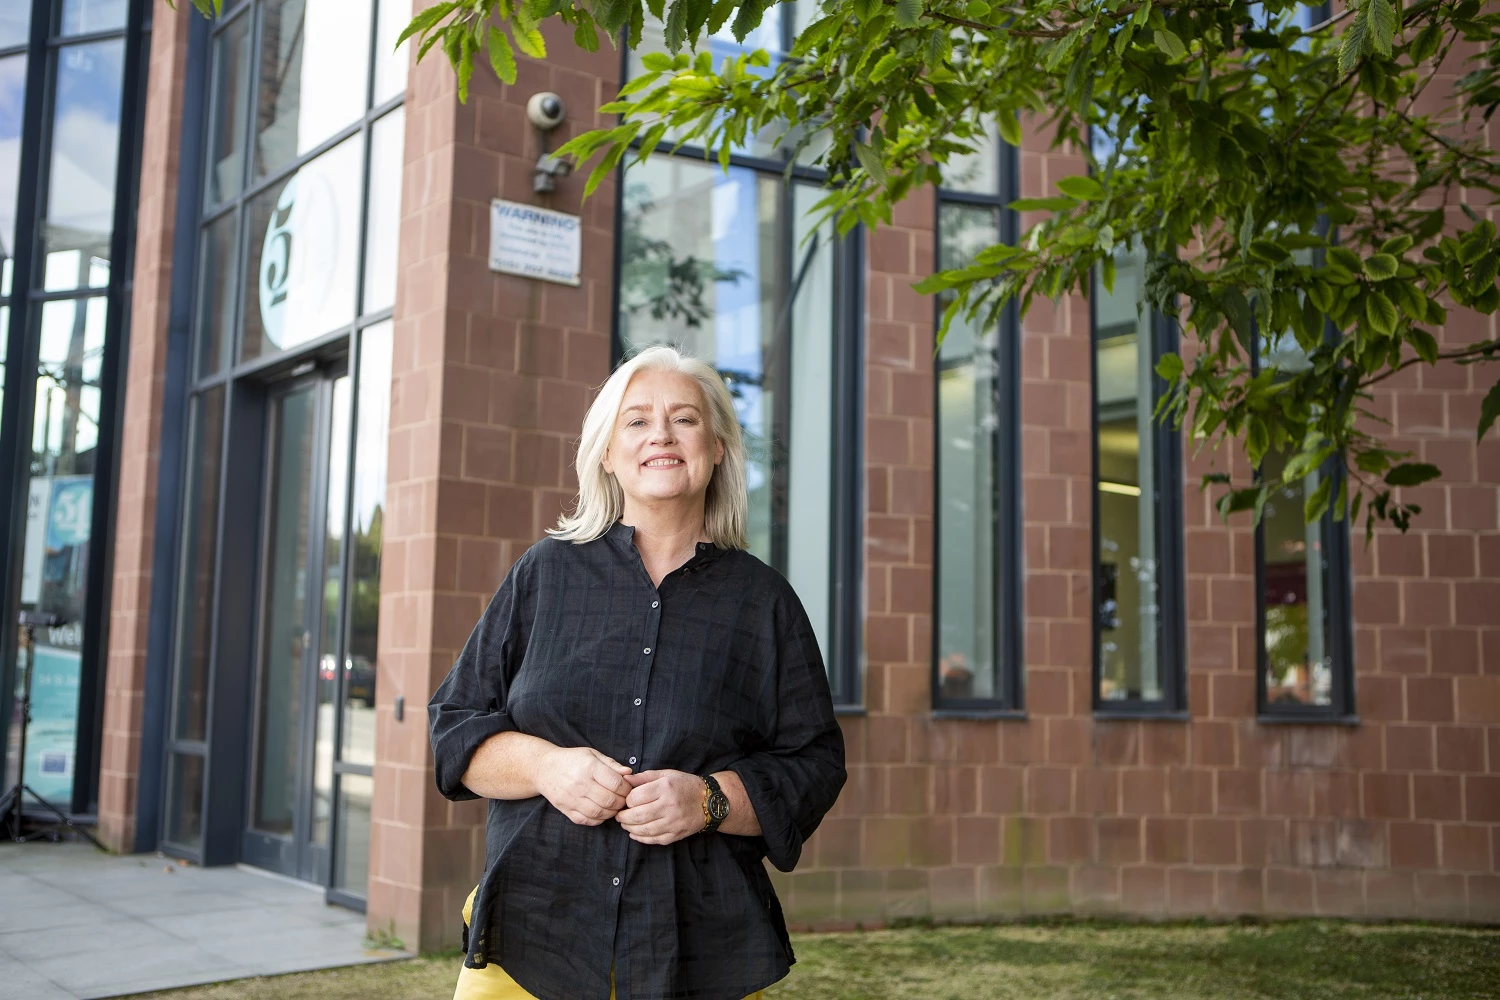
[645, 707]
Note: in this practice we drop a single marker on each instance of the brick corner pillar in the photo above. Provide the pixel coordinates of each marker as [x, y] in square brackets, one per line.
[491, 377]
[140, 440]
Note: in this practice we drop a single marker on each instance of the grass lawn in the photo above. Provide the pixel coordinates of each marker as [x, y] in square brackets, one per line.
[1305, 959]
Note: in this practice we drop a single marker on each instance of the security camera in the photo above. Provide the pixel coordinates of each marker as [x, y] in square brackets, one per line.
[546, 111]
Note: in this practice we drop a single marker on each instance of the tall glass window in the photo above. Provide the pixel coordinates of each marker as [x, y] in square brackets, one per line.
[728, 266]
[977, 661]
[1137, 503]
[300, 182]
[1304, 627]
[60, 185]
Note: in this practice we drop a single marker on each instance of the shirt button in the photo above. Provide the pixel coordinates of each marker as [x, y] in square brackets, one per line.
[638, 701]
[648, 650]
[632, 760]
[655, 604]
[617, 880]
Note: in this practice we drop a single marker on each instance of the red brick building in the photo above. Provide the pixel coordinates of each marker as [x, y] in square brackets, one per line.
[1066, 685]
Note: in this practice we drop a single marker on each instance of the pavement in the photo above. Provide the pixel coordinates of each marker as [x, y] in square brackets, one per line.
[77, 923]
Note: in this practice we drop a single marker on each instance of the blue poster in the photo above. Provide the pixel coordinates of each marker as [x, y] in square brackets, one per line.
[53, 734]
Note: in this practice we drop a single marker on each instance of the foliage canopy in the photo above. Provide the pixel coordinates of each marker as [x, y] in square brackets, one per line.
[1320, 183]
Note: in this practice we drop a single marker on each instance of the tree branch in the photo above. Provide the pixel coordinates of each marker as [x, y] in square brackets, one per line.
[1487, 347]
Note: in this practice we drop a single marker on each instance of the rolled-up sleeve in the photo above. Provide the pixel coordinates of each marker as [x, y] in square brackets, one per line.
[793, 782]
[470, 705]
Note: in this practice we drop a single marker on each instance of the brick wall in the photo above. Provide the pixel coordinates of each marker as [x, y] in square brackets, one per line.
[140, 442]
[1220, 815]
[492, 375]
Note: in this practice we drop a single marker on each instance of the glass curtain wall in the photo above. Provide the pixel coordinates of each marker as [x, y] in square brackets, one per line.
[728, 266]
[63, 181]
[296, 275]
[1138, 480]
[976, 661]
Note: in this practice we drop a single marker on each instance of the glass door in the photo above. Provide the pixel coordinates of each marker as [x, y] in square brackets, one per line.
[292, 758]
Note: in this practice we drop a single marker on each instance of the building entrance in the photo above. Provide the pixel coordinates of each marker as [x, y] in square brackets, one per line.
[297, 626]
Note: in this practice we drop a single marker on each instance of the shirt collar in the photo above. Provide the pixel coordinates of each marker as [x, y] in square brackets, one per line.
[622, 536]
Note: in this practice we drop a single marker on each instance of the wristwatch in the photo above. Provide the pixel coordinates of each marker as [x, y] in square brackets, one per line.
[715, 804]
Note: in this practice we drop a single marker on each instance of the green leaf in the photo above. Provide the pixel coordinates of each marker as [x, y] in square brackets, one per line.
[429, 17]
[1269, 251]
[1425, 344]
[1082, 187]
[1058, 204]
[1316, 504]
[720, 15]
[1142, 15]
[871, 162]
[1009, 127]
[675, 29]
[1489, 410]
[1380, 266]
[908, 13]
[1382, 24]
[1169, 367]
[1381, 314]
[464, 63]
[1412, 474]
[530, 42]
[1356, 38]
[886, 66]
[1169, 43]
[502, 59]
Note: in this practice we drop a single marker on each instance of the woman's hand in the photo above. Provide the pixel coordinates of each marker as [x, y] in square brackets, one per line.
[663, 807]
[582, 783]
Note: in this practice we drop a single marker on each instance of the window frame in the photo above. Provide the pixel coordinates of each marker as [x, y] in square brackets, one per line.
[846, 538]
[1006, 512]
[224, 791]
[43, 48]
[1162, 337]
[1338, 585]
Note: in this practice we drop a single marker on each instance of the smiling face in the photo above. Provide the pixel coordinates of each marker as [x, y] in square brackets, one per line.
[662, 447]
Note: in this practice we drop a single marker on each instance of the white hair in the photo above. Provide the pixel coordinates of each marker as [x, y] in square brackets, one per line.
[601, 501]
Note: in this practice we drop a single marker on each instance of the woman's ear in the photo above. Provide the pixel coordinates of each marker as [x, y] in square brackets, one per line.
[719, 451]
[606, 464]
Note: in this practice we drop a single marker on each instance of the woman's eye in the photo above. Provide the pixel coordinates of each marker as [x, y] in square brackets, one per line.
[636, 423]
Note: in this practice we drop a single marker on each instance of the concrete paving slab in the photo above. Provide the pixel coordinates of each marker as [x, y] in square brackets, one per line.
[154, 923]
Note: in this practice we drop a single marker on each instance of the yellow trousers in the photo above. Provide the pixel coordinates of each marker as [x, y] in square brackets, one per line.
[493, 983]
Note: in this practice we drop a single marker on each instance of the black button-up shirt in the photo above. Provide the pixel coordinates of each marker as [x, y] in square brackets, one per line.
[718, 669]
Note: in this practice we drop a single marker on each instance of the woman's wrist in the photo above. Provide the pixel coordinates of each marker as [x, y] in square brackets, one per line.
[741, 820]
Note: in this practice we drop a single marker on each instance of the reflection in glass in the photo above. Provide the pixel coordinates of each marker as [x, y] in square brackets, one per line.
[217, 273]
[1129, 597]
[390, 61]
[703, 269]
[15, 23]
[1299, 669]
[368, 512]
[81, 178]
[333, 576]
[65, 439]
[284, 637]
[303, 246]
[185, 800]
[195, 593]
[967, 422]
[353, 868]
[231, 95]
[314, 58]
[12, 108]
[82, 17]
[809, 527]
[383, 211]
[979, 171]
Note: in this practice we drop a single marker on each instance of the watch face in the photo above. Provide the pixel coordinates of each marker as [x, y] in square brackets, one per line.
[718, 806]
